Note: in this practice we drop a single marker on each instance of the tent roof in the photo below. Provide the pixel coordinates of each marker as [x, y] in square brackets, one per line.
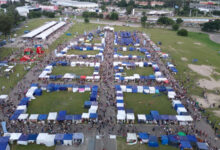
[23, 138]
[131, 136]
[185, 144]
[202, 146]
[78, 136]
[143, 135]
[33, 117]
[32, 137]
[68, 137]
[141, 117]
[184, 118]
[4, 139]
[59, 137]
[52, 116]
[15, 136]
[42, 117]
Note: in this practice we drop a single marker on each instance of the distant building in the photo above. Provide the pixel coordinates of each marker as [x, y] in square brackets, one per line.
[47, 8]
[152, 3]
[160, 13]
[24, 10]
[70, 3]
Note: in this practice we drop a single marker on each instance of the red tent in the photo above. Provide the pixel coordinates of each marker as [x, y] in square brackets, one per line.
[39, 50]
[82, 77]
[25, 58]
[28, 51]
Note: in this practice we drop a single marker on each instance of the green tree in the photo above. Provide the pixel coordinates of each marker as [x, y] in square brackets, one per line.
[86, 20]
[113, 16]
[179, 20]
[129, 9]
[143, 19]
[6, 24]
[211, 26]
[175, 27]
[85, 14]
[165, 21]
[182, 32]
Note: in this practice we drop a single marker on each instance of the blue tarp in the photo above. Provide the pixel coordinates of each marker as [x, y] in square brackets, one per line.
[3, 146]
[173, 140]
[185, 145]
[143, 135]
[61, 115]
[153, 141]
[42, 117]
[32, 137]
[4, 139]
[164, 140]
[3, 123]
[38, 92]
[202, 146]
[149, 118]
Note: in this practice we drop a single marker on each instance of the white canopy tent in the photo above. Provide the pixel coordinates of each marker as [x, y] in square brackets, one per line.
[52, 116]
[39, 30]
[131, 138]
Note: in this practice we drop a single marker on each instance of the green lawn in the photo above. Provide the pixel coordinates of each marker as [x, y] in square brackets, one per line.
[73, 103]
[13, 79]
[5, 52]
[144, 103]
[77, 27]
[61, 70]
[137, 53]
[145, 71]
[122, 145]
[78, 52]
[31, 147]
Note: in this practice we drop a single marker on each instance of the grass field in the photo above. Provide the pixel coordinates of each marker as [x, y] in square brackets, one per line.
[13, 79]
[31, 147]
[78, 52]
[5, 52]
[73, 103]
[61, 70]
[77, 27]
[137, 53]
[121, 145]
[144, 103]
[145, 71]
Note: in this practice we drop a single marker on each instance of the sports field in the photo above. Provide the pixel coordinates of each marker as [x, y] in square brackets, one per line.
[144, 71]
[61, 70]
[144, 103]
[73, 103]
[78, 52]
[122, 145]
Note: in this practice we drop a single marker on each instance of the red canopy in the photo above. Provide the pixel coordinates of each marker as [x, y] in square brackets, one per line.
[25, 58]
[83, 77]
[39, 50]
[27, 50]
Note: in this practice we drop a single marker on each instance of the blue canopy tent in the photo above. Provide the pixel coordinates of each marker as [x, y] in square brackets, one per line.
[77, 117]
[202, 146]
[87, 104]
[129, 110]
[78, 137]
[178, 105]
[185, 145]
[24, 101]
[149, 118]
[173, 140]
[153, 141]
[23, 138]
[144, 137]
[69, 117]
[192, 139]
[59, 139]
[4, 143]
[67, 139]
[155, 114]
[164, 140]
[68, 34]
[16, 114]
[93, 116]
[38, 92]
[119, 101]
[61, 115]
[42, 117]
[32, 137]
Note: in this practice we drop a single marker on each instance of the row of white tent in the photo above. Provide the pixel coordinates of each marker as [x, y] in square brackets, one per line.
[138, 64]
[39, 30]
[51, 30]
[9, 68]
[45, 138]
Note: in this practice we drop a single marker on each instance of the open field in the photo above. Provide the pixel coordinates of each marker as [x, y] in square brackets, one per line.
[31, 147]
[78, 52]
[144, 103]
[137, 53]
[76, 28]
[145, 71]
[13, 78]
[61, 70]
[121, 145]
[73, 103]
[6, 52]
